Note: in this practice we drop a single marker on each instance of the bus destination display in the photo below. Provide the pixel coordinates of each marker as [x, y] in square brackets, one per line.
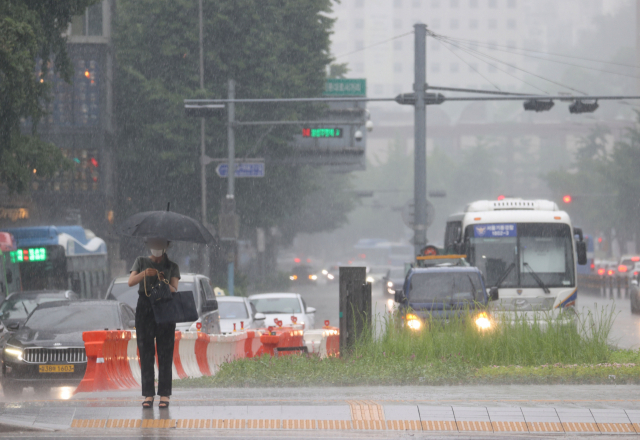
[30, 254]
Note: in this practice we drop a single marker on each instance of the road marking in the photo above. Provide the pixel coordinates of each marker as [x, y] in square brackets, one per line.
[474, 426]
[510, 426]
[545, 427]
[334, 424]
[432, 425]
[580, 427]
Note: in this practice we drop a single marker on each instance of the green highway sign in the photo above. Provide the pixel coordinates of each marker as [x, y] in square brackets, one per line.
[345, 87]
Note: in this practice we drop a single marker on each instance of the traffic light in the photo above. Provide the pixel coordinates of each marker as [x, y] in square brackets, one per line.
[566, 199]
[578, 106]
[538, 105]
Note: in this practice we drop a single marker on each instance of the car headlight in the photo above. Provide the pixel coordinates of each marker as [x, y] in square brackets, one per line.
[325, 271]
[14, 352]
[369, 279]
[313, 277]
[482, 321]
[293, 277]
[389, 284]
[330, 276]
[413, 321]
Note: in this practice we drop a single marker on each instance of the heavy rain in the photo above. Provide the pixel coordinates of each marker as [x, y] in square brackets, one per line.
[319, 218]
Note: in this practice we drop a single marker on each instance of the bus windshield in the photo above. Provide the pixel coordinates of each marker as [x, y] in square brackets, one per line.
[523, 254]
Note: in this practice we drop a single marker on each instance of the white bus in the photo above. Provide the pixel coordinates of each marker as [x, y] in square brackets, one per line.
[525, 250]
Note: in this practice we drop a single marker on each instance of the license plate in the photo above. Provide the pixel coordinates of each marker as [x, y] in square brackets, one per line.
[56, 368]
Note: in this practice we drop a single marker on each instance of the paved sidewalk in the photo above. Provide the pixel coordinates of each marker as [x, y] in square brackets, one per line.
[355, 415]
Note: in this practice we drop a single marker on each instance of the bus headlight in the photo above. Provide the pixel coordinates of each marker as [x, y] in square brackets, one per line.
[389, 284]
[13, 352]
[482, 321]
[413, 322]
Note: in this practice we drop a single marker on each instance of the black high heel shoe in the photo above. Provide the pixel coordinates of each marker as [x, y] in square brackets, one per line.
[163, 404]
[148, 403]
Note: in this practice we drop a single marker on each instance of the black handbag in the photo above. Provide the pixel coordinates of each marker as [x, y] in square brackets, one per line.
[160, 292]
[181, 308]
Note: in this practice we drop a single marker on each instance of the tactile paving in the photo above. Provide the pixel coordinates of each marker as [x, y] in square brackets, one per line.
[299, 424]
[431, 425]
[616, 427]
[474, 426]
[404, 425]
[510, 426]
[580, 427]
[545, 427]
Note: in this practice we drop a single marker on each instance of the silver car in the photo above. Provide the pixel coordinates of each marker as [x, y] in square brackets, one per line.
[238, 311]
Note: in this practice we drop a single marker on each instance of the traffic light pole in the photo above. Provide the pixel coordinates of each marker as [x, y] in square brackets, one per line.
[231, 178]
[203, 165]
[420, 138]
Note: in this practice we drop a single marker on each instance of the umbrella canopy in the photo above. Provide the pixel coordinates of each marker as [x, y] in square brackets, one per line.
[165, 224]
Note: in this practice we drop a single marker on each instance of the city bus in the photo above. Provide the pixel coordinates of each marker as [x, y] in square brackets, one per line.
[525, 250]
[60, 257]
[9, 272]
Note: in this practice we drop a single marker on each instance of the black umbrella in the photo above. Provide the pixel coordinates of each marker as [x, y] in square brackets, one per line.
[165, 224]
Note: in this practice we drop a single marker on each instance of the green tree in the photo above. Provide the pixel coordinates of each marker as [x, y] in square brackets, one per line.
[271, 48]
[30, 29]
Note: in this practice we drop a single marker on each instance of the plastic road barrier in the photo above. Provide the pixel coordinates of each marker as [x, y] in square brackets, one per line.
[113, 362]
[323, 342]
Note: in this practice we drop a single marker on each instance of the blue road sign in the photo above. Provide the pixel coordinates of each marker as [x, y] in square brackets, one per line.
[255, 169]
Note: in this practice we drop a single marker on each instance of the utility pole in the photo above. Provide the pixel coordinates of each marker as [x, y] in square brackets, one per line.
[638, 42]
[231, 202]
[420, 138]
[203, 165]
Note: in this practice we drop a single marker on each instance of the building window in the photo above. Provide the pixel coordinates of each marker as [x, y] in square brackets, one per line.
[453, 68]
[454, 24]
[473, 24]
[453, 3]
[397, 45]
[89, 23]
[397, 3]
[473, 3]
[493, 4]
[511, 3]
[359, 44]
[397, 67]
[511, 24]
[493, 24]
[435, 67]
[359, 23]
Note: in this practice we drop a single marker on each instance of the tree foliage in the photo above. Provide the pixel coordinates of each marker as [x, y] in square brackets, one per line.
[271, 48]
[30, 29]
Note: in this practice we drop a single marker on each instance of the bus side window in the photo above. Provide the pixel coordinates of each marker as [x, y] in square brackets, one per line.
[453, 235]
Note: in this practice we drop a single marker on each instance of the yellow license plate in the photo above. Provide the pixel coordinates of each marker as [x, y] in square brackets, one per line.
[56, 368]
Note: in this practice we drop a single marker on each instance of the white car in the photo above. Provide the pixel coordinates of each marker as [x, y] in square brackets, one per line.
[236, 310]
[282, 306]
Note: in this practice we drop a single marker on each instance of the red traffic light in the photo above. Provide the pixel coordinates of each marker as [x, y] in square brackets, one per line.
[429, 250]
[566, 199]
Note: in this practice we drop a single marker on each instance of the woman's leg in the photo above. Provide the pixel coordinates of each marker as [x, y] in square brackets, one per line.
[145, 334]
[165, 340]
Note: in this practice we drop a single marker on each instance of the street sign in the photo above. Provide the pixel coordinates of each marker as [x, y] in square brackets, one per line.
[255, 169]
[345, 87]
[322, 132]
[408, 214]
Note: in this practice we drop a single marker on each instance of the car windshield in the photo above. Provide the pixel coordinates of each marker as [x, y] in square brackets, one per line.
[447, 287]
[545, 250]
[19, 307]
[277, 305]
[232, 310]
[85, 317]
[129, 295]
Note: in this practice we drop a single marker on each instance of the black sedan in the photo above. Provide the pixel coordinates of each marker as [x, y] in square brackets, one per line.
[17, 306]
[48, 351]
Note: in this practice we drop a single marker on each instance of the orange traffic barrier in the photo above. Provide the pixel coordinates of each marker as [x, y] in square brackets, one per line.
[94, 376]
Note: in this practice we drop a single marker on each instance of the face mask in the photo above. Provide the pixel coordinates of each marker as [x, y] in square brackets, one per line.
[157, 252]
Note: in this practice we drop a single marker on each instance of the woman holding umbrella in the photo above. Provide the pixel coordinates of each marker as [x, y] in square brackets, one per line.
[145, 272]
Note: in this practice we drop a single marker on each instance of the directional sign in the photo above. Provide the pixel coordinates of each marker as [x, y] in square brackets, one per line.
[242, 169]
[345, 87]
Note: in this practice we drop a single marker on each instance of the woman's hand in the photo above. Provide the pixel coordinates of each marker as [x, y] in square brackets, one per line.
[161, 276]
[150, 272]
